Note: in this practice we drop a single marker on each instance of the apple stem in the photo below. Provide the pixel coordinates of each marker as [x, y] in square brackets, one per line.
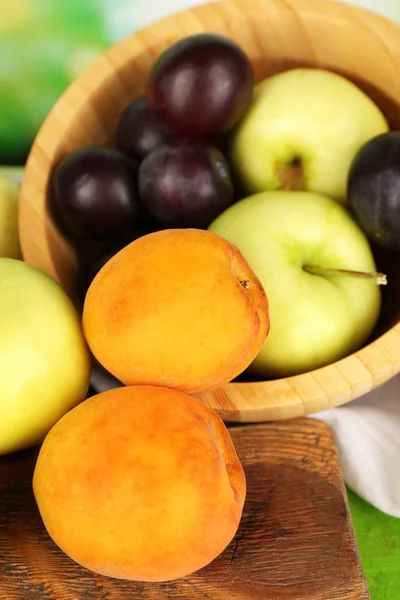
[291, 174]
[379, 278]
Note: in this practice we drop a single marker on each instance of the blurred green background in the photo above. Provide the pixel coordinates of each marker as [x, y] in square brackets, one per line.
[45, 44]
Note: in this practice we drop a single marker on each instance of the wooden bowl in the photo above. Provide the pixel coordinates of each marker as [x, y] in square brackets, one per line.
[276, 35]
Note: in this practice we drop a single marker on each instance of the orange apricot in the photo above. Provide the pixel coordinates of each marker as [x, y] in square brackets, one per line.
[140, 483]
[179, 308]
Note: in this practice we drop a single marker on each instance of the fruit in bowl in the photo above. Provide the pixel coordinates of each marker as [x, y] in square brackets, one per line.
[374, 189]
[138, 131]
[200, 86]
[302, 131]
[374, 90]
[95, 192]
[186, 182]
[308, 253]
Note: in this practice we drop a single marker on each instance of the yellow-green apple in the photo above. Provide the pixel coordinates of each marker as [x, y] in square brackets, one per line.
[9, 239]
[44, 360]
[298, 244]
[302, 131]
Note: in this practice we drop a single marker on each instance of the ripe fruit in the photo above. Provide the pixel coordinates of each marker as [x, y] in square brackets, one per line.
[302, 132]
[9, 239]
[185, 184]
[140, 483]
[179, 308]
[138, 131]
[201, 86]
[374, 189]
[292, 241]
[44, 361]
[96, 192]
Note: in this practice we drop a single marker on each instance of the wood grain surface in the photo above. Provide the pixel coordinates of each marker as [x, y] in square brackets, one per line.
[276, 35]
[295, 541]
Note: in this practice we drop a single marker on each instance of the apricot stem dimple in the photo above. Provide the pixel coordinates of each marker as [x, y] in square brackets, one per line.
[245, 283]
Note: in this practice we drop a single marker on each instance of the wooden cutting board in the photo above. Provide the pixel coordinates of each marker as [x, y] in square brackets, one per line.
[295, 541]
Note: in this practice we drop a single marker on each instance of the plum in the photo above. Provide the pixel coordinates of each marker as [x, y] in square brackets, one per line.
[373, 190]
[95, 192]
[138, 131]
[201, 86]
[185, 184]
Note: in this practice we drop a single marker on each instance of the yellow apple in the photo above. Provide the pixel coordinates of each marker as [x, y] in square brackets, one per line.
[302, 132]
[9, 239]
[44, 360]
[307, 251]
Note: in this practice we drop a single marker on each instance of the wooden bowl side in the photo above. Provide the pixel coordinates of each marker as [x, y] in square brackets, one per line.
[311, 392]
[276, 35]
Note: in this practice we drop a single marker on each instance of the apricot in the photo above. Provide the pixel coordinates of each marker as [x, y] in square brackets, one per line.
[140, 483]
[179, 308]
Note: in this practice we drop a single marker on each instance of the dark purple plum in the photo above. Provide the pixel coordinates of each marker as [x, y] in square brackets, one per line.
[95, 192]
[138, 130]
[185, 184]
[201, 86]
[373, 190]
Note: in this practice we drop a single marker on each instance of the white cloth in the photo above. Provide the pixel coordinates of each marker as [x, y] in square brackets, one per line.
[367, 434]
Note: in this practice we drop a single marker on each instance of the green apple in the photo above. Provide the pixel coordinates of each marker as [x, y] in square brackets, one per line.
[9, 238]
[302, 131]
[297, 244]
[44, 360]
